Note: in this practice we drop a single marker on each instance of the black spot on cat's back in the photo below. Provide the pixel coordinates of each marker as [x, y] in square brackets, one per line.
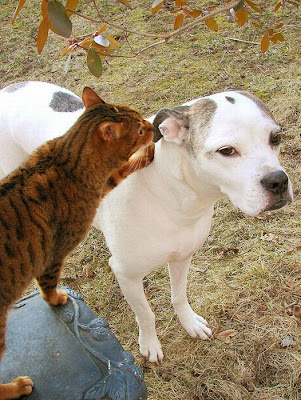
[65, 102]
[15, 86]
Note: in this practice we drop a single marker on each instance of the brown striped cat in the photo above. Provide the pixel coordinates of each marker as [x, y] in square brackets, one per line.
[48, 204]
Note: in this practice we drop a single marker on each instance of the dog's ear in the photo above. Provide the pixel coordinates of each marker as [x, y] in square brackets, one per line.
[172, 124]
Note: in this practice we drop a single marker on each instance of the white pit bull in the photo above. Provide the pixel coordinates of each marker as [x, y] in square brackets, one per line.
[221, 145]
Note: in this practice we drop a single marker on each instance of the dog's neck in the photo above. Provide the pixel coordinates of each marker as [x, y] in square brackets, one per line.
[186, 191]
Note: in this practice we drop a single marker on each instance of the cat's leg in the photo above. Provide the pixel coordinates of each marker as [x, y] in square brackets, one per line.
[47, 283]
[21, 386]
[194, 324]
[137, 161]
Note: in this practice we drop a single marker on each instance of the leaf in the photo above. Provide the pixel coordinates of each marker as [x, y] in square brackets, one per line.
[242, 16]
[125, 3]
[102, 28]
[42, 34]
[58, 18]
[94, 63]
[257, 25]
[68, 49]
[44, 10]
[212, 25]
[279, 26]
[195, 13]
[239, 5]
[157, 4]
[72, 5]
[278, 37]
[101, 40]
[278, 5]
[112, 41]
[178, 21]
[253, 5]
[180, 3]
[265, 43]
[226, 336]
[18, 9]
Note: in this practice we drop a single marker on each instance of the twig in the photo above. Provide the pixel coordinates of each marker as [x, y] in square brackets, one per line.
[243, 41]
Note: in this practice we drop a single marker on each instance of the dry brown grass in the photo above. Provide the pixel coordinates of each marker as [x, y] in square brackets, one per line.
[244, 291]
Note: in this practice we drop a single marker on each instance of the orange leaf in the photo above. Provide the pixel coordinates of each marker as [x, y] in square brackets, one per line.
[278, 5]
[69, 49]
[42, 34]
[253, 5]
[125, 3]
[265, 42]
[257, 25]
[279, 26]
[18, 9]
[242, 16]
[157, 4]
[72, 5]
[212, 25]
[195, 13]
[179, 21]
[102, 28]
[278, 37]
[112, 41]
[180, 3]
[44, 10]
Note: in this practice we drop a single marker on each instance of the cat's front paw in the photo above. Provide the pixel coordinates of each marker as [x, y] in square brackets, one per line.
[22, 386]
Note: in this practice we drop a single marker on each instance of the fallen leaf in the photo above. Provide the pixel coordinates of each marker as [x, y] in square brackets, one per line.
[226, 336]
[297, 311]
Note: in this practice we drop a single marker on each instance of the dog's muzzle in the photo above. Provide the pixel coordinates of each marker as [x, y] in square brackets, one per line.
[277, 183]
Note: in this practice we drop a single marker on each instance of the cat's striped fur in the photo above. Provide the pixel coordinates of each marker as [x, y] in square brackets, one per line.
[48, 204]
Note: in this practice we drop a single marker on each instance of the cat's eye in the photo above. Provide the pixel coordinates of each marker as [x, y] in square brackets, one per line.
[227, 151]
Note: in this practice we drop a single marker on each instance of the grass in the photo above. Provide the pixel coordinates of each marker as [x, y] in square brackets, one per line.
[244, 290]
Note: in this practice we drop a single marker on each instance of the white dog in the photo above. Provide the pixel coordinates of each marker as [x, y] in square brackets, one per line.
[221, 145]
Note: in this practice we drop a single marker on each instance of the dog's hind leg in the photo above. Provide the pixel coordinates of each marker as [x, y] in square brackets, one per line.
[194, 324]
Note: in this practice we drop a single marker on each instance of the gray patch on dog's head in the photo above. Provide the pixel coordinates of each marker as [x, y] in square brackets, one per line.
[179, 113]
[260, 104]
[15, 86]
[230, 99]
[200, 117]
[65, 102]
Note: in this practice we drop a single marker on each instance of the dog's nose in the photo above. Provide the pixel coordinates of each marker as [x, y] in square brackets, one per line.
[276, 182]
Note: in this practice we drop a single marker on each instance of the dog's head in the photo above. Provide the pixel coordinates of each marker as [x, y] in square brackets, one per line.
[232, 142]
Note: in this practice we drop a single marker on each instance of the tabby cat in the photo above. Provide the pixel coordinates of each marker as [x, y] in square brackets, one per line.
[48, 204]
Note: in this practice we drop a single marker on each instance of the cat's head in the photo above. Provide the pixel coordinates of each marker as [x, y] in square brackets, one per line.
[117, 127]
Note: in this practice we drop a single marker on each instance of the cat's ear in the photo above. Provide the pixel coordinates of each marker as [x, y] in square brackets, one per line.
[109, 130]
[90, 98]
[172, 124]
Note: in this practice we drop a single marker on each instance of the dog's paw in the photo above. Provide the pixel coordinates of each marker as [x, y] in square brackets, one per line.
[151, 350]
[196, 326]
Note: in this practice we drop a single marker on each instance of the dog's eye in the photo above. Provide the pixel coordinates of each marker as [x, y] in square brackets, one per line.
[141, 132]
[227, 151]
[275, 140]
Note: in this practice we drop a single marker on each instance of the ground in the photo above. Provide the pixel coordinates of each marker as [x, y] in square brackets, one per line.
[248, 273]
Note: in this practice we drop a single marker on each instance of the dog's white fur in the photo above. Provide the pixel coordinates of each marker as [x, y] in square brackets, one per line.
[162, 213]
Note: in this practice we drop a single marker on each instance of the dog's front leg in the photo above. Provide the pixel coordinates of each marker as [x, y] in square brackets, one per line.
[194, 324]
[132, 289]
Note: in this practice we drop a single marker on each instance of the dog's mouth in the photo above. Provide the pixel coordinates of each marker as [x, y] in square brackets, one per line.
[278, 204]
